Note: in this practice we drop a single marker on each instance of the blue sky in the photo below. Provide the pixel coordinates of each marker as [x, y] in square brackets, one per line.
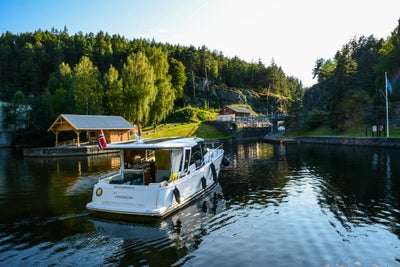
[293, 33]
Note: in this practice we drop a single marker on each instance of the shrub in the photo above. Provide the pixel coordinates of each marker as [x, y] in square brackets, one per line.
[316, 119]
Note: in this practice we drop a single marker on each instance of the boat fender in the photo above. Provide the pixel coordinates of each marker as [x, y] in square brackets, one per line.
[225, 161]
[214, 172]
[177, 195]
[203, 182]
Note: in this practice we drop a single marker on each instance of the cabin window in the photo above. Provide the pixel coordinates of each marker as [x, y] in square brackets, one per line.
[176, 160]
[187, 158]
[197, 157]
[163, 164]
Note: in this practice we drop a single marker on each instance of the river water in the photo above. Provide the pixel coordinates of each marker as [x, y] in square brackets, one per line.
[290, 205]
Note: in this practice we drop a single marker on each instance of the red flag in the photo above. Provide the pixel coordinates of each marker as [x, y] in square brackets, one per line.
[102, 141]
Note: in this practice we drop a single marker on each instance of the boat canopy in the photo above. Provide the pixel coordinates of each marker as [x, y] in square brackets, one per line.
[157, 143]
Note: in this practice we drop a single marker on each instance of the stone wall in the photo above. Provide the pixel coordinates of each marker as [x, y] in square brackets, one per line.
[352, 141]
[252, 133]
[247, 133]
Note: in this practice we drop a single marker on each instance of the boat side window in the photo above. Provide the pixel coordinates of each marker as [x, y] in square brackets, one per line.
[187, 158]
[197, 157]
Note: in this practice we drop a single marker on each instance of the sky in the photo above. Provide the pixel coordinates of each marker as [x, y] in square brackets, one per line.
[292, 33]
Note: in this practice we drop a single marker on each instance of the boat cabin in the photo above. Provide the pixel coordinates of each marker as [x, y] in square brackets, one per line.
[142, 166]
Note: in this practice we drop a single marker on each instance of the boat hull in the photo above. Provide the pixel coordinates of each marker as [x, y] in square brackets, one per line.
[155, 199]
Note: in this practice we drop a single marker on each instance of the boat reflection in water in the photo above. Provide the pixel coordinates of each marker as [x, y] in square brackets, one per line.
[156, 242]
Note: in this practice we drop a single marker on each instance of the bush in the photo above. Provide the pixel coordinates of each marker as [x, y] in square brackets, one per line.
[316, 119]
[190, 114]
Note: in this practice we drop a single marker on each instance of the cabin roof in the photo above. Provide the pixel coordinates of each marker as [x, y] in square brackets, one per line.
[90, 122]
[239, 109]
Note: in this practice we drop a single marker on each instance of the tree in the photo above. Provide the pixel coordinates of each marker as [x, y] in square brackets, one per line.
[61, 78]
[165, 97]
[114, 96]
[339, 86]
[62, 102]
[41, 117]
[389, 61]
[138, 85]
[86, 88]
[178, 77]
[42, 113]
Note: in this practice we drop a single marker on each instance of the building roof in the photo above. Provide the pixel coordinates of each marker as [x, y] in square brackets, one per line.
[240, 109]
[68, 122]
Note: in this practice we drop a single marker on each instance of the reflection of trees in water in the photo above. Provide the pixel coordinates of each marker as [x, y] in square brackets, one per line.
[75, 165]
[50, 186]
[256, 171]
[358, 185]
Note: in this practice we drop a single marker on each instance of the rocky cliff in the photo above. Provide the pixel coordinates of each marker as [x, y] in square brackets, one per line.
[220, 96]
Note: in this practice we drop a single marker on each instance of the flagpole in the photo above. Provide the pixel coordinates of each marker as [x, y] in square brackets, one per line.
[387, 107]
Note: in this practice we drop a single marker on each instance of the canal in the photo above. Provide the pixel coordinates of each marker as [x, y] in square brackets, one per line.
[290, 205]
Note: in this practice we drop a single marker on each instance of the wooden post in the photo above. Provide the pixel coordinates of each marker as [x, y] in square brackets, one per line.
[56, 137]
[77, 138]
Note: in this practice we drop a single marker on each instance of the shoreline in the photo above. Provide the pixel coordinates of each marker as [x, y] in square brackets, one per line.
[337, 140]
[64, 151]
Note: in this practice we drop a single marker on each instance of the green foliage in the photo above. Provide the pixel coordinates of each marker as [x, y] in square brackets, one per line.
[349, 83]
[190, 114]
[114, 95]
[389, 61]
[165, 95]
[316, 119]
[86, 88]
[178, 77]
[142, 79]
[139, 89]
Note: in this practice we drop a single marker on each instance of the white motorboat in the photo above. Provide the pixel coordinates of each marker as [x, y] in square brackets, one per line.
[158, 176]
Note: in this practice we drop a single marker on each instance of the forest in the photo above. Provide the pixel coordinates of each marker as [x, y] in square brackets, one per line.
[53, 72]
[351, 85]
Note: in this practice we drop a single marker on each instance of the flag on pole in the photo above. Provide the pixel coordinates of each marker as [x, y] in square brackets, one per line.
[102, 141]
[388, 85]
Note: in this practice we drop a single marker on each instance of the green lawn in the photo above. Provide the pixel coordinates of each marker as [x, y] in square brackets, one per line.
[187, 130]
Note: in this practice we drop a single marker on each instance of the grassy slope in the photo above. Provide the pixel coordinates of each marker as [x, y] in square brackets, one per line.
[189, 129]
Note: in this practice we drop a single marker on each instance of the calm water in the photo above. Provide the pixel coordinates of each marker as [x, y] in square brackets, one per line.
[290, 205]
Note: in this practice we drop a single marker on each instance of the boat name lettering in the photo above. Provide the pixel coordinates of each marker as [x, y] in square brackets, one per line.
[123, 186]
[124, 197]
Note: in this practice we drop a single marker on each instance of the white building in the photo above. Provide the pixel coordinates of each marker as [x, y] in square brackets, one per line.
[7, 132]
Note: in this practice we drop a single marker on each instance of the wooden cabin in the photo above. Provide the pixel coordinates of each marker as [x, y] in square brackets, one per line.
[230, 113]
[115, 128]
[236, 110]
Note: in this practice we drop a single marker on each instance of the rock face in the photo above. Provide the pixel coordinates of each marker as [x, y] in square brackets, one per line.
[219, 96]
[313, 99]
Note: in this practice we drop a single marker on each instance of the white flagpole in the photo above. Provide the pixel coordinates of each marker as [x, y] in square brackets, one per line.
[387, 107]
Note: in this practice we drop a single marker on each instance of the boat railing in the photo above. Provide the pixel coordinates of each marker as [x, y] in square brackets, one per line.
[213, 145]
[213, 150]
